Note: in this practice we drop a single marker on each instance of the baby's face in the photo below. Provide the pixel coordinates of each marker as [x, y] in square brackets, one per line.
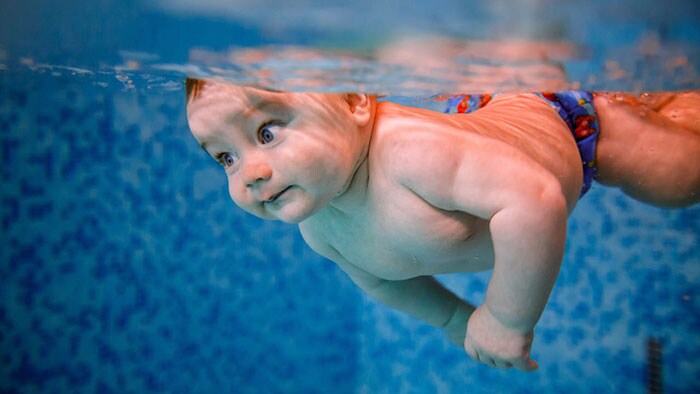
[286, 155]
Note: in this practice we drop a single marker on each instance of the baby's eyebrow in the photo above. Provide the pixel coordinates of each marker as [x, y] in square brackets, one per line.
[260, 105]
[264, 105]
[257, 99]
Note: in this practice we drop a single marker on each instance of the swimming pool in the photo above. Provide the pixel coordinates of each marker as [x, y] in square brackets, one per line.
[126, 268]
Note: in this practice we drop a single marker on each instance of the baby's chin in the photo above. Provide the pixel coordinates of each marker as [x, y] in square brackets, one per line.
[291, 213]
[298, 215]
[291, 218]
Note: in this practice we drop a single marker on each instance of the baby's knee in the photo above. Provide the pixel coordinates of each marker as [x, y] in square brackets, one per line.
[673, 190]
[683, 109]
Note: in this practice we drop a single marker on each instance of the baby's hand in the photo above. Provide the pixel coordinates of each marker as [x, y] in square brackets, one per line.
[494, 344]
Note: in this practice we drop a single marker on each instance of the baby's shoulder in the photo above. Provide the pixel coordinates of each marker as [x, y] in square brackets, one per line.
[398, 128]
[405, 137]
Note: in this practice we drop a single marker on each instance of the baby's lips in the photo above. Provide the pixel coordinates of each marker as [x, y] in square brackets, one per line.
[273, 197]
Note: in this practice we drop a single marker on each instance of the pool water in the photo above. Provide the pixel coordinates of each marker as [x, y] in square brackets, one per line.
[126, 268]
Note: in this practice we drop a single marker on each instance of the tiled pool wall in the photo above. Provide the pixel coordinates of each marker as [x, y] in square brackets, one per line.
[125, 268]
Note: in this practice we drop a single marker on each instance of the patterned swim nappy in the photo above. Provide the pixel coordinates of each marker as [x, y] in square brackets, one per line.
[574, 107]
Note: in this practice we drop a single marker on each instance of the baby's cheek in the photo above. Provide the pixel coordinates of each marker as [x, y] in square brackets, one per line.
[236, 192]
[242, 199]
[231, 188]
[245, 204]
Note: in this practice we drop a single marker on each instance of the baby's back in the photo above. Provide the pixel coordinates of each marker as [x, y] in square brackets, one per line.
[395, 231]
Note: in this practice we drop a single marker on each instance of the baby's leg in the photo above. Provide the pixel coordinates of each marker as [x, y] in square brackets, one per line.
[649, 146]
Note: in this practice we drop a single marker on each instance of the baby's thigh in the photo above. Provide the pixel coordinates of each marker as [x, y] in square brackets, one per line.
[645, 148]
[683, 108]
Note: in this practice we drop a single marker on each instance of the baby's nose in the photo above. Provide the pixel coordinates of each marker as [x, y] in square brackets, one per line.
[255, 173]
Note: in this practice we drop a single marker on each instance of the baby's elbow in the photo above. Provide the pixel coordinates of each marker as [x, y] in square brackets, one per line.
[551, 198]
[540, 205]
[539, 208]
[546, 211]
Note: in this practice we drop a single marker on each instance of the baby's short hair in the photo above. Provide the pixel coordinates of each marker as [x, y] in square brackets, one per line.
[193, 86]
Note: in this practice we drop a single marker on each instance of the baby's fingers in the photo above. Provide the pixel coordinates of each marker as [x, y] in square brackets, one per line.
[477, 355]
[503, 364]
[485, 359]
[526, 364]
[523, 364]
[470, 349]
[495, 362]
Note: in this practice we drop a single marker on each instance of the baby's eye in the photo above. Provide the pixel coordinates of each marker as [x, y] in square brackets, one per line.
[267, 132]
[226, 159]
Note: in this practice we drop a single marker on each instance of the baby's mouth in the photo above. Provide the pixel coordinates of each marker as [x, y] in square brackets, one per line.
[276, 196]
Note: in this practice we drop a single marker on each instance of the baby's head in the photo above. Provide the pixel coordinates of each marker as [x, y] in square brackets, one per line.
[286, 155]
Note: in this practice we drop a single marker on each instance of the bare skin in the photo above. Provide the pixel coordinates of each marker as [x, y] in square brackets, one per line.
[394, 195]
[650, 146]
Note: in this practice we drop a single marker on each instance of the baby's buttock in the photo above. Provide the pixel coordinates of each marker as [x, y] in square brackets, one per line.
[531, 125]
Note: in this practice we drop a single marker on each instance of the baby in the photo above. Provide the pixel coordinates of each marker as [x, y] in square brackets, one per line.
[394, 194]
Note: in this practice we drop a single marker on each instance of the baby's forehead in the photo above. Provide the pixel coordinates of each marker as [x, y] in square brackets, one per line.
[235, 100]
[241, 95]
[232, 104]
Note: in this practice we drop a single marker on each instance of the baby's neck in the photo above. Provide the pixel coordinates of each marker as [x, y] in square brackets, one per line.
[355, 194]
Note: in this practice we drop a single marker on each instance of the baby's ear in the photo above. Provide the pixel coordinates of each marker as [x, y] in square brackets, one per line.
[361, 106]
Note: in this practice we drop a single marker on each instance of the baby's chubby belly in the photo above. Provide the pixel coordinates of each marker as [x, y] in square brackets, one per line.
[408, 257]
[420, 241]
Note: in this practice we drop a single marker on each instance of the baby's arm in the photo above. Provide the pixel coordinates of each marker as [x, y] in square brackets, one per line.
[527, 214]
[422, 297]
[528, 238]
